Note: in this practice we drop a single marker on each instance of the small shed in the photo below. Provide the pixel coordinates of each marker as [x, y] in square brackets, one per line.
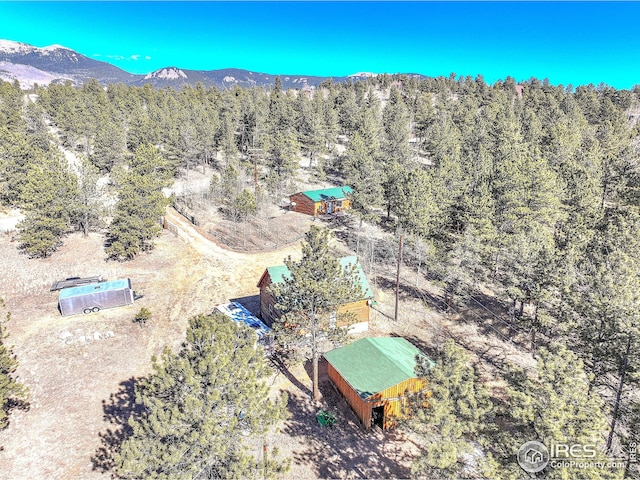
[332, 201]
[376, 376]
[276, 274]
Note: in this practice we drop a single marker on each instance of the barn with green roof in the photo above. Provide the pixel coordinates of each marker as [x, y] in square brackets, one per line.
[376, 376]
[331, 201]
[359, 308]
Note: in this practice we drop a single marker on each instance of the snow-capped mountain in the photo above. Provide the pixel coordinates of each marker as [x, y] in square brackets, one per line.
[61, 63]
[55, 63]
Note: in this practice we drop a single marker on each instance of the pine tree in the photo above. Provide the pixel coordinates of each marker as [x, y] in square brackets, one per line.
[109, 147]
[316, 288]
[47, 197]
[396, 127]
[361, 174]
[87, 208]
[11, 391]
[450, 415]
[553, 407]
[201, 406]
[141, 204]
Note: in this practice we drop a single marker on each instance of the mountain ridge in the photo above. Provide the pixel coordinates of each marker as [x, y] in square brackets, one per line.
[58, 64]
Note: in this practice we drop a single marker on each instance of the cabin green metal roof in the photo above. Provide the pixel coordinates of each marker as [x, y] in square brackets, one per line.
[94, 287]
[336, 192]
[280, 272]
[371, 365]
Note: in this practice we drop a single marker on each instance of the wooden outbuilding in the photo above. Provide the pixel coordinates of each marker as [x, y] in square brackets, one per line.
[359, 308]
[330, 201]
[376, 377]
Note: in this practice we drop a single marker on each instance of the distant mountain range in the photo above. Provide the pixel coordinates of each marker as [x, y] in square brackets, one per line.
[58, 64]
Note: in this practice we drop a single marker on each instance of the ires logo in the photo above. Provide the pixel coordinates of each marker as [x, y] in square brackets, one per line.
[534, 456]
[562, 450]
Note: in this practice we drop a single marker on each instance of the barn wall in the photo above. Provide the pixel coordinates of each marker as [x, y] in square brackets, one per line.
[303, 204]
[360, 309]
[266, 299]
[346, 204]
[361, 408]
[394, 407]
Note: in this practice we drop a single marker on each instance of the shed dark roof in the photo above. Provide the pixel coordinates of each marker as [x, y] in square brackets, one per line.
[371, 365]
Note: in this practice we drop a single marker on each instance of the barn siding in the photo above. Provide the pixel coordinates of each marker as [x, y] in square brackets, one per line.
[304, 204]
[393, 406]
[266, 299]
[361, 408]
[360, 309]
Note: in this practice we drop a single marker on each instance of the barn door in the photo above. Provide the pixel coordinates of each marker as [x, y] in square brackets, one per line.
[377, 416]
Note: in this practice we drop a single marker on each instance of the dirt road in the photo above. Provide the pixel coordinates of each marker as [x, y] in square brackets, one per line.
[73, 365]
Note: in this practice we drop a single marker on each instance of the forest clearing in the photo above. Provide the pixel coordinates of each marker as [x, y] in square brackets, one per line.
[497, 226]
[81, 385]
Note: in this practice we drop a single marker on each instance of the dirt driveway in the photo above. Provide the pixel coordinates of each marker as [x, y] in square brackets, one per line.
[81, 369]
[73, 365]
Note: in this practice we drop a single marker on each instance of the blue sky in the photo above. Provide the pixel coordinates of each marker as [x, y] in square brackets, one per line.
[566, 42]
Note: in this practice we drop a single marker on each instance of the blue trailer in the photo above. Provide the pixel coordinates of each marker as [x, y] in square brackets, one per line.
[95, 297]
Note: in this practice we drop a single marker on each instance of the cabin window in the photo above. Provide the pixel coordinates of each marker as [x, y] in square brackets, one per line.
[332, 319]
[339, 204]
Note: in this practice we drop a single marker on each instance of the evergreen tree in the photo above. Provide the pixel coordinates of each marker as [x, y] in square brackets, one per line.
[87, 208]
[200, 407]
[141, 204]
[316, 288]
[360, 171]
[553, 407]
[396, 127]
[450, 415]
[109, 147]
[15, 156]
[48, 197]
[11, 391]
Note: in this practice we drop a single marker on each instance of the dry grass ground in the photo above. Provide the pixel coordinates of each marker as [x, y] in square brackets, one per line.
[81, 386]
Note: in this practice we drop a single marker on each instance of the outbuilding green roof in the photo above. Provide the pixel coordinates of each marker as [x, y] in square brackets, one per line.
[371, 365]
[336, 192]
[280, 272]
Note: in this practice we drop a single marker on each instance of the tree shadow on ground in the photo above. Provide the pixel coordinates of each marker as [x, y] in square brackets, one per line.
[281, 366]
[117, 411]
[344, 449]
[409, 291]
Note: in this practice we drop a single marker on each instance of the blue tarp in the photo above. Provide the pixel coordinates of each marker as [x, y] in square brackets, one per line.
[238, 313]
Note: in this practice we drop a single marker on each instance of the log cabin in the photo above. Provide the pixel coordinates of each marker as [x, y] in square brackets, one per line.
[376, 376]
[359, 309]
[321, 202]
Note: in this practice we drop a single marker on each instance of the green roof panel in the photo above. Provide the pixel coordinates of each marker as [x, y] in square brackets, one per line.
[280, 272]
[371, 365]
[336, 192]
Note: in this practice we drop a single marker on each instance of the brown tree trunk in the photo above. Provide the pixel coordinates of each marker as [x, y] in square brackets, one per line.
[314, 356]
[395, 316]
